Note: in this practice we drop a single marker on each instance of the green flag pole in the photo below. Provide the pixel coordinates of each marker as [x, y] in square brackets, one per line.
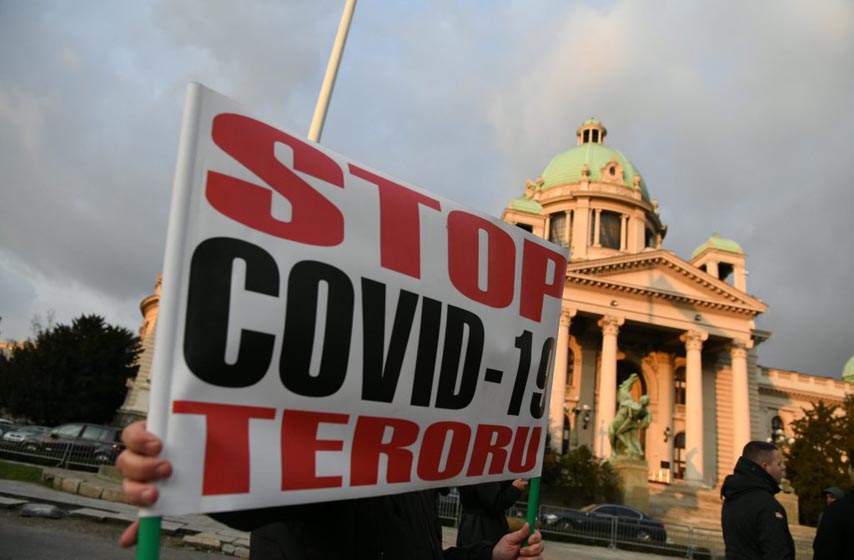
[148, 541]
[533, 505]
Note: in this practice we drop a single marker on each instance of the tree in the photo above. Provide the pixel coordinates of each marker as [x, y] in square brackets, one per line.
[70, 373]
[847, 426]
[583, 479]
[816, 458]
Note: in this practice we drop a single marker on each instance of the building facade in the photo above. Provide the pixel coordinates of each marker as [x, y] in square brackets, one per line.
[630, 306]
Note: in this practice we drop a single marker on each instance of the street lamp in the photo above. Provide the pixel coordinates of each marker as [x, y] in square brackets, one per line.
[778, 438]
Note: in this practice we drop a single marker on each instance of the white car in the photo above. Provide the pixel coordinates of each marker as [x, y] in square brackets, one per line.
[23, 433]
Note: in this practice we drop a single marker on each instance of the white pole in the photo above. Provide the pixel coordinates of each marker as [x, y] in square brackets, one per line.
[331, 72]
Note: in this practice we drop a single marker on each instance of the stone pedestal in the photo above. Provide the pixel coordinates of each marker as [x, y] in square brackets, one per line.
[635, 482]
[789, 501]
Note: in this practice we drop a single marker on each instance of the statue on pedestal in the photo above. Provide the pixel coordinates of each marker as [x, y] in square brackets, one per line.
[632, 417]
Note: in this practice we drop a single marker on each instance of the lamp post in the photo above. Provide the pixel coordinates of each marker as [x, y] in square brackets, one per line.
[778, 438]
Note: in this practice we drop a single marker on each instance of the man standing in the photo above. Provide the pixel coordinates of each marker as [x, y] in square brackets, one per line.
[753, 521]
[835, 534]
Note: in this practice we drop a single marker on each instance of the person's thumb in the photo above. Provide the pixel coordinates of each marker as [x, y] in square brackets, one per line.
[518, 537]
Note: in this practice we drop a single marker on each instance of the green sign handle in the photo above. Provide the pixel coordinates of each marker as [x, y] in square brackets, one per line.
[148, 541]
[533, 504]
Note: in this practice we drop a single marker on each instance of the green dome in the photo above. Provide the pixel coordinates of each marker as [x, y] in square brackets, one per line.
[848, 371]
[566, 167]
[522, 204]
[719, 243]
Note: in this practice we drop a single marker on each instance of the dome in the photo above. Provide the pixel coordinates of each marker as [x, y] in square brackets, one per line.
[719, 243]
[848, 371]
[592, 157]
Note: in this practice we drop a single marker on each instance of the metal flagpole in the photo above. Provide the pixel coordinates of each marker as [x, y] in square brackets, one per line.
[331, 72]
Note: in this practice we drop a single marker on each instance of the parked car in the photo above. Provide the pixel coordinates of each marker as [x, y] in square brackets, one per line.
[6, 426]
[602, 519]
[79, 443]
[21, 434]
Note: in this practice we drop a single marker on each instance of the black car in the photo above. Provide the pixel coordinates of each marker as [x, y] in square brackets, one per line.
[78, 443]
[609, 521]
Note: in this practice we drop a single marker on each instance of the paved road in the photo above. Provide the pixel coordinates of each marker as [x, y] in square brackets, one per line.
[39, 538]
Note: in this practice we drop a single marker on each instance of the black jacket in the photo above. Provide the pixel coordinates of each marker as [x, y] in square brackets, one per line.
[834, 539]
[483, 517]
[402, 526]
[754, 523]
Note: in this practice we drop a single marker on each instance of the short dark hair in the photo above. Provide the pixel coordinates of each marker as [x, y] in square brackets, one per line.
[759, 451]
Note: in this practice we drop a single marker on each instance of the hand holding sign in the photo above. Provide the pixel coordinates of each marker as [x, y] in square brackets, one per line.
[140, 466]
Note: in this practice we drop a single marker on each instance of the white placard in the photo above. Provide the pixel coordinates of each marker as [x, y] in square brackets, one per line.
[328, 332]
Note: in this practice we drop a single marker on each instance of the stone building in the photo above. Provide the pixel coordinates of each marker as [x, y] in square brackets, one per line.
[135, 406]
[686, 327]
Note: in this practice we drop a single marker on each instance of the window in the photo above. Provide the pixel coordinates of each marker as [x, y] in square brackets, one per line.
[649, 238]
[679, 386]
[68, 430]
[527, 227]
[570, 366]
[679, 456]
[557, 229]
[609, 229]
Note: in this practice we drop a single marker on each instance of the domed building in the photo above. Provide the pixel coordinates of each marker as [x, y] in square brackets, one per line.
[630, 306]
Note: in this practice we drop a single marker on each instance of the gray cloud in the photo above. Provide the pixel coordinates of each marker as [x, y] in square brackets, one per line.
[738, 116]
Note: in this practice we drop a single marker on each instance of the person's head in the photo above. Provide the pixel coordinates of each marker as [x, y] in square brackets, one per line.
[831, 494]
[767, 456]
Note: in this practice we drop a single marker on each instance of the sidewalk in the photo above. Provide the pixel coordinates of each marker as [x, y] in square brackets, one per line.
[99, 497]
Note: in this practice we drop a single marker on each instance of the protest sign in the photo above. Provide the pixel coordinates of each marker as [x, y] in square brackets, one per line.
[329, 332]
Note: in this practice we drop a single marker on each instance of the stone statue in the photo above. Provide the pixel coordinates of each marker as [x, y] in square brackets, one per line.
[632, 417]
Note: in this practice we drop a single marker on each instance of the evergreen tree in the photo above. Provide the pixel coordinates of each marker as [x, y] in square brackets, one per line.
[816, 459]
[584, 479]
[70, 373]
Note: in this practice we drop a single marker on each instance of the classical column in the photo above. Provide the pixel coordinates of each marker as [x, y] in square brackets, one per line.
[664, 370]
[624, 232]
[597, 216]
[694, 405]
[740, 396]
[558, 398]
[606, 408]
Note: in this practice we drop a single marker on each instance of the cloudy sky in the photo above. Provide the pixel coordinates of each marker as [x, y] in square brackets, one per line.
[738, 114]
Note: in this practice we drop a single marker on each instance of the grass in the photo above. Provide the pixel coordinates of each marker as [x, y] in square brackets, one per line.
[19, 472]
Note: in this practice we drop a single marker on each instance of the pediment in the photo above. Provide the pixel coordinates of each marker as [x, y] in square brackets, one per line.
[661, 274]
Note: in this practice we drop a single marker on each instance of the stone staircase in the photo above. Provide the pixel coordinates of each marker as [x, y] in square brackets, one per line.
[693, 516]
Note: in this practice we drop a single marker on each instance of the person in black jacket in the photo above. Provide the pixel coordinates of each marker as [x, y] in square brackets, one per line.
[834, 538]
[754, 523]
[401, 526]
[484, 504]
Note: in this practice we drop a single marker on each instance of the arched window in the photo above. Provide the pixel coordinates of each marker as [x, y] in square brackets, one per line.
[609, 229]
[557, 229]
[778, 429]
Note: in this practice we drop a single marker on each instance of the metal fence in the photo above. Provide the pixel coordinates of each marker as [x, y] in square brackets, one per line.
[73, 454]
[555, 523]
